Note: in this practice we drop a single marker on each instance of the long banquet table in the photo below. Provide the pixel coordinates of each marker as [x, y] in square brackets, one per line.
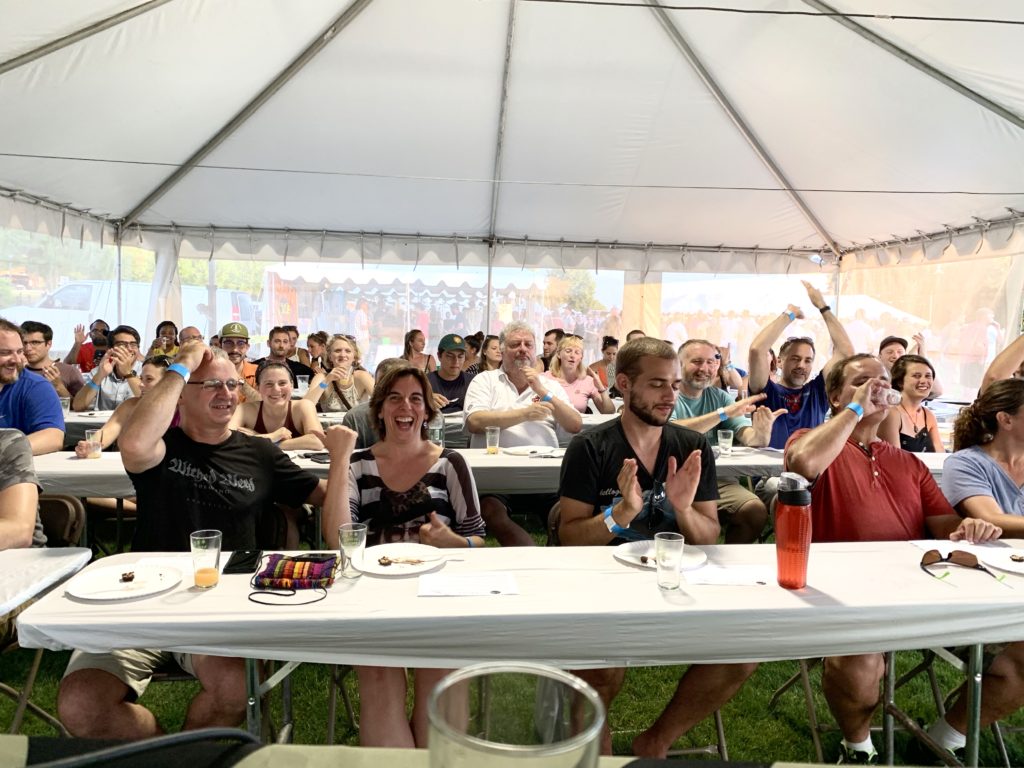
[576, 607]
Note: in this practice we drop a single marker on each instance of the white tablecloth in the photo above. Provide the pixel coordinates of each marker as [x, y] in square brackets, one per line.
[577, 607]
[24, 573]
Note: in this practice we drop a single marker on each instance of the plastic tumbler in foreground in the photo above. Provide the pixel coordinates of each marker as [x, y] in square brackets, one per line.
[514, 715]
[793, 530]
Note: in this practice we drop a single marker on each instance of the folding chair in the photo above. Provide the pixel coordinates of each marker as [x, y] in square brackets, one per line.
[63, 519]
[338, 674]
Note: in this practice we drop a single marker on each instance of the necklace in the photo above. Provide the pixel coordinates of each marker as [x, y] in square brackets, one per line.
[911, 416]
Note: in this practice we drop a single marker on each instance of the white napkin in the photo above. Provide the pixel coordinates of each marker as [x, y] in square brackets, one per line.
[468, 584]
[733, 575]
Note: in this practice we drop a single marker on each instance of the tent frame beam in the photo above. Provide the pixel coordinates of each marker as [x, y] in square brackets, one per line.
[81, 34]
[499, 144]
[322, 40]
[684, 47]
[918, 64]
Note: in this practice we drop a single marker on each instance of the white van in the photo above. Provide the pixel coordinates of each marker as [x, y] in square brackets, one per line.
[82, 301]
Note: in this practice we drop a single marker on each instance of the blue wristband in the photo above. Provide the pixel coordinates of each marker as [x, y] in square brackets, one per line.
[857, 408]
[792, 315]
[469, 542]
[92, 384]
[323, 385]
[181, 370]
[547, 398]
[614, 527]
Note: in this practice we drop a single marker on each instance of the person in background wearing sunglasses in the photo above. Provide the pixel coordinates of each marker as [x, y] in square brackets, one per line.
[116, 378]
[802, 397]
[196, 476]
[866, 489]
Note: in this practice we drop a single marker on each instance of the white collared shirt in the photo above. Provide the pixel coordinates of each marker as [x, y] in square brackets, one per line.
[492, 391]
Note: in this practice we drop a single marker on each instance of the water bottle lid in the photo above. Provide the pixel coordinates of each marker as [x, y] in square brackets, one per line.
[796, 497]
[794, 490]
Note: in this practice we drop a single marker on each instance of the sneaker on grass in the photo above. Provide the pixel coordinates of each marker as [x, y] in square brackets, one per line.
[849, 756]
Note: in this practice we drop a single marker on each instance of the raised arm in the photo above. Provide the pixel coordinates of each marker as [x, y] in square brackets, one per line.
[1004, 365]
[332, 494]
[842, 346]
[142, 442]
[710, 420]
[757, 359]
[72, 356]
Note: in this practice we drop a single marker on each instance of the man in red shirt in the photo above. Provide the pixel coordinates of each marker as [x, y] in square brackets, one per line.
[866, 489]
[82, 352]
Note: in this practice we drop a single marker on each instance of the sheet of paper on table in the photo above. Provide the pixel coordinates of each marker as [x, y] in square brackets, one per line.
[468, 585]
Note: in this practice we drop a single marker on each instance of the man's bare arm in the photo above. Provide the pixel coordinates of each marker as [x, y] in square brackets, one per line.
[1003, 365]
[18, 515]
[49, 440]
[757, 359]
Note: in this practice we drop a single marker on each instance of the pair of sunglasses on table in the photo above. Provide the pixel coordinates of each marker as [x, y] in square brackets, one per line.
[956, 557]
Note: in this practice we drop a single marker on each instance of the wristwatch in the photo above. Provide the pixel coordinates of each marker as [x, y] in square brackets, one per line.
[130, 375]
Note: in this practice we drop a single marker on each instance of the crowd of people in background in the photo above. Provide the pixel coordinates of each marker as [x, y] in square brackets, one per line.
[848, 412]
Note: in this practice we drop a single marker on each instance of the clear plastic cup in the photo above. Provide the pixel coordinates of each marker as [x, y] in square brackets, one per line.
[352, 541]
[724, 441]
[493, 437]
[668, 553]
[94, 437]
[514, 715]
[206, 557]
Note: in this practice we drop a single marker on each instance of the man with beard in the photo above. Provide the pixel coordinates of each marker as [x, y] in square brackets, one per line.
[281, 349]
[27, 401]
[802, 397]
[705, 408]
[234, 339]
[629, 479]
[527, 408]
[87, 354]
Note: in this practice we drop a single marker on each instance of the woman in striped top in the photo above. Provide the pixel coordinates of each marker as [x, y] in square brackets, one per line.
[405, 488]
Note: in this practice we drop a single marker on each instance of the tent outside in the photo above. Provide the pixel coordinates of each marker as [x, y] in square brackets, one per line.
[751, 136]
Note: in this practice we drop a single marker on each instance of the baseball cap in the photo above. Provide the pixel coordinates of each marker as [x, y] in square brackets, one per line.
[234, 330]
[450, 342]
[888, 340]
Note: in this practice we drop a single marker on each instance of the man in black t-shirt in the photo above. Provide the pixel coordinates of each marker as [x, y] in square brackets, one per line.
[198, 476]
[632, 478]
[280, 342]
[449, 381]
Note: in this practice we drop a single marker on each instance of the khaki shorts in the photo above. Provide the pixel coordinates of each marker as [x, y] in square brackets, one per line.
[732, 496]
[134, 668]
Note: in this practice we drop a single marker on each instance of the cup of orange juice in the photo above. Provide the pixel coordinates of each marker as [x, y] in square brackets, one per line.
[493, 435]
[206, 557]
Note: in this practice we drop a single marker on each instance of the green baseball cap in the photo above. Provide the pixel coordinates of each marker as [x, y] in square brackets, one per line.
[234, 331]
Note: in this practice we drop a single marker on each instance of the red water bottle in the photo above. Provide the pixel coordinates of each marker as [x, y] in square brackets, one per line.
[793, 530]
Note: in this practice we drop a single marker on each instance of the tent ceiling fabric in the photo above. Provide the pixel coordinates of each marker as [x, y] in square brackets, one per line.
[610, 135]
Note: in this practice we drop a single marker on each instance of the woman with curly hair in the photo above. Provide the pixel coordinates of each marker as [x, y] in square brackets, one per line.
[985, 476]
[911, 422]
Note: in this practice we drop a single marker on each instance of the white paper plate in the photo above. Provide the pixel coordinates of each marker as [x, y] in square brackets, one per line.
[631, 552]
[739, 450]
[105, 583]
[999, 557]
[431, 557]
[535, 450]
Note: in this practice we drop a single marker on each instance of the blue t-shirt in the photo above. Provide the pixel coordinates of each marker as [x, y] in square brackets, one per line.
[710, 400]
[30, 404]
[972, 472]
[806, 408]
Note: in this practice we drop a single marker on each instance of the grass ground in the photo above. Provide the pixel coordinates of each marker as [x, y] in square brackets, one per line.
[753, 732]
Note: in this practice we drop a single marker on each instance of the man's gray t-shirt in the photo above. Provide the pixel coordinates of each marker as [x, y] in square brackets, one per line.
[972, 472]
[16, 468]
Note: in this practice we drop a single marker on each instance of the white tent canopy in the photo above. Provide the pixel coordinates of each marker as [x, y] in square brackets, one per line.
[727, 138]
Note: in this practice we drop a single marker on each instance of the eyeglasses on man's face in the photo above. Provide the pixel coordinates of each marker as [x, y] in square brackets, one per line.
[126, 344]
[210, 385]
